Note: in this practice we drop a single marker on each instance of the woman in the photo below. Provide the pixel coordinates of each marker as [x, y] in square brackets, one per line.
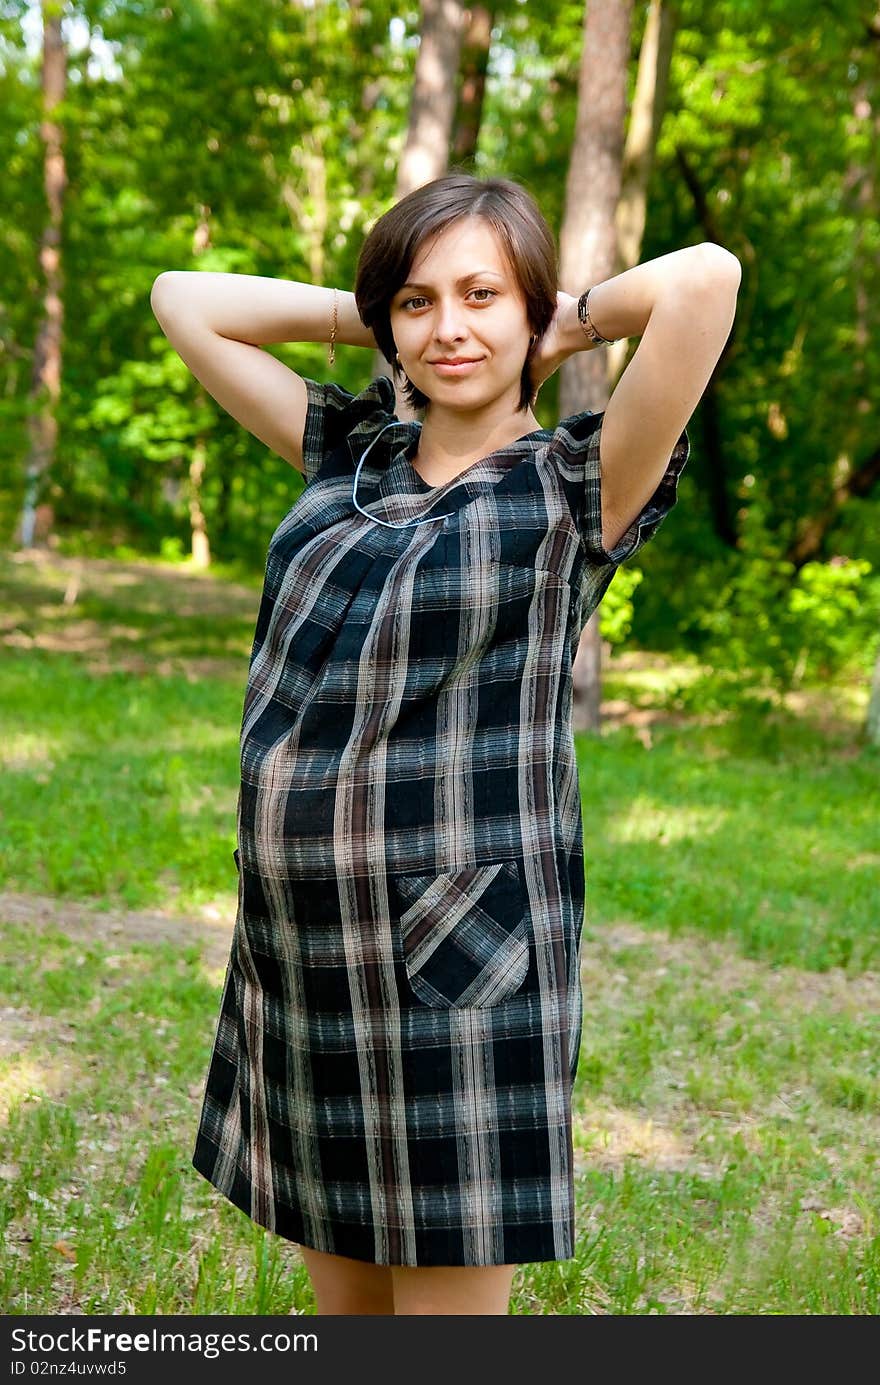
[391, 1079]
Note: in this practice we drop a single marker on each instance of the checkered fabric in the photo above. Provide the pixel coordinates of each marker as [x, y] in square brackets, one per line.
[398, 1036]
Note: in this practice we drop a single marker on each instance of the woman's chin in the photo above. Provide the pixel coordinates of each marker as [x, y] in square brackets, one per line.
[471, 393]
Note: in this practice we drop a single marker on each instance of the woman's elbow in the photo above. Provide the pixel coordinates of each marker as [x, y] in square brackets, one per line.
[719, 260]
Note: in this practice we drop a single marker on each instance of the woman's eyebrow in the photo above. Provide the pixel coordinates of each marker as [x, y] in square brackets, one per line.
[465, 278]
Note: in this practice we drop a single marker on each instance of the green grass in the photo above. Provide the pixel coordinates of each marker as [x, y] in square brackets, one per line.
[126, 786]
[119, 720]
[705, 832]
[728, 1099]
[102, 1207]
[723, 1165]
[123, 787]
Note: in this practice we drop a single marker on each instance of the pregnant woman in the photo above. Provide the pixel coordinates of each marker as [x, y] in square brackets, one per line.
[391, 1079]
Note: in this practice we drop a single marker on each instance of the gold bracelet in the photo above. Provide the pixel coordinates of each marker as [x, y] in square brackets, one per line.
[333, 324]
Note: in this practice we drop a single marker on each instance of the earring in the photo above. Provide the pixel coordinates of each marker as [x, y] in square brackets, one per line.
[397, 360]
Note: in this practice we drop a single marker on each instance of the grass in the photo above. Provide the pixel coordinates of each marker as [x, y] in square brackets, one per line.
[139, 685]
[706, 832]
[728, 1098]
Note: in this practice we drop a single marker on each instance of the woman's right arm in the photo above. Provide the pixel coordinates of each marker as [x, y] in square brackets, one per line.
[217, 324]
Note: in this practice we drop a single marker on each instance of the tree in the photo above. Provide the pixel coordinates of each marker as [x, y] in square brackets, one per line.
[475, 50]
[431, 112]
[432, 105]
[642, 133]
[872, 724]
[200, 543]
[588, 241]
[37, 516]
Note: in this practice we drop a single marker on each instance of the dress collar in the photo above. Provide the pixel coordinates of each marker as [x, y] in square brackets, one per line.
[390, 487]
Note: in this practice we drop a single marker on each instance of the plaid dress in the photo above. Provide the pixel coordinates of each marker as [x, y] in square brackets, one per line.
[392, 1068]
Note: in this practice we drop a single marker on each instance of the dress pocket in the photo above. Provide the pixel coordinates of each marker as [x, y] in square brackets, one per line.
[464, 936]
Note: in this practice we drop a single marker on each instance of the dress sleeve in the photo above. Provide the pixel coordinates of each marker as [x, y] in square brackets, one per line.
[339, 424]
[576, 451]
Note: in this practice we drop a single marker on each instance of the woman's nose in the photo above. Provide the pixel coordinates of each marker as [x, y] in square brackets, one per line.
[449, 326]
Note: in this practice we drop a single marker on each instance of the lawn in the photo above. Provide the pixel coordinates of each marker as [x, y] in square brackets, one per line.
[728, 1097]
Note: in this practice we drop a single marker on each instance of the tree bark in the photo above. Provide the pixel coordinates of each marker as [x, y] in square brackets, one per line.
[588, 238]
[37, 519]
[432, 109]
[872, 722]
[200, 544]
[474, 66]
[646, 117]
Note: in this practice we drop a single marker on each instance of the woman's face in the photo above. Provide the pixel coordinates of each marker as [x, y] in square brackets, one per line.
[462, 302]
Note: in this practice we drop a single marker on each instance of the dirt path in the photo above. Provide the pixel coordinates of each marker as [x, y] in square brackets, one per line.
[716, 961]
[84, 923]
[45, 605]
[622, 965]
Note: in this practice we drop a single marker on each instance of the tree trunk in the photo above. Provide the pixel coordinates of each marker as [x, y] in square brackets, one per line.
[37, 520]
[474, 65]
[588, 239]
[848, 476]
[646, 117]
[200, 544]
[432, 109]
[872, 722]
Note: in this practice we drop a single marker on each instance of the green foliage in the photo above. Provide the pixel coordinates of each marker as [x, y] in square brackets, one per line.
[839, 613]
[617, 607]
[759, 623]
[728, 1087]
[265, 139]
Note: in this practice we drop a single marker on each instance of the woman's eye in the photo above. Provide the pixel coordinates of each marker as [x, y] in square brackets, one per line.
[420, 298]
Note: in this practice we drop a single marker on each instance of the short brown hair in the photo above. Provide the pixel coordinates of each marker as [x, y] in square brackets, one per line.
[391, 246]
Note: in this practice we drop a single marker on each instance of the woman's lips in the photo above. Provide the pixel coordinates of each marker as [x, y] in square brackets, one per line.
[463, 368]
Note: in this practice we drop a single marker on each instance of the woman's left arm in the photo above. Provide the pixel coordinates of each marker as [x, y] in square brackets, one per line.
[682, 305]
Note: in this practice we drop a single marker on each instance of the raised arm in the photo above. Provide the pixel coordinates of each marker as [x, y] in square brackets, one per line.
[217, 324]
[682, 305]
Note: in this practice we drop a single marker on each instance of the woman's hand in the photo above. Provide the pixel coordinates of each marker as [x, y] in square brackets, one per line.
[562, 338]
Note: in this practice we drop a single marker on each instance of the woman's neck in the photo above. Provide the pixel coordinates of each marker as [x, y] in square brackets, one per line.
[450, 440]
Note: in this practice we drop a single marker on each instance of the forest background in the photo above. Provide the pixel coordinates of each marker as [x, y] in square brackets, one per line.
[728, 1102]
[266, 139]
